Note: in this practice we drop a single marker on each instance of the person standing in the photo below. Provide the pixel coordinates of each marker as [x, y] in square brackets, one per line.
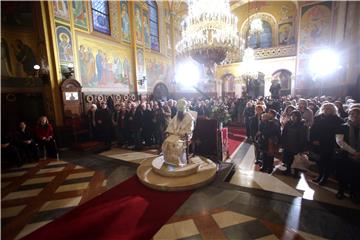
[322, 137]
[104, 124]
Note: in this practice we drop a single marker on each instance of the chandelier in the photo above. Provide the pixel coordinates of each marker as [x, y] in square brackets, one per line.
[209, 32]
[249, 64]
[256, 26]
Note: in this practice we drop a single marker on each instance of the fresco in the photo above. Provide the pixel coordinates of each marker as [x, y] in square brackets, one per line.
[146, 29]
[17, 14]
[125, 21]
[6, 66]
[61, 9]
[157, 70]
[138, 24]
[102, 64]
[64, 43]
[286, 34]
[25, 58]
[140, 69]
[80, 14]
[115, 20]
[315, 26]
[168, 40]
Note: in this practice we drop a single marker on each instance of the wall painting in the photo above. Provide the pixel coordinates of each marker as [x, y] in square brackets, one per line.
[103, 64]
[315, 26]
[286, 34]
[64, 43]
[157, 71]
[114, 20]
[18, 56]
[61, 9]
[80, 14]
[138, 24]
[125, 21]
[141, 69]
[146, 29]
[16, 14]
[168, 39]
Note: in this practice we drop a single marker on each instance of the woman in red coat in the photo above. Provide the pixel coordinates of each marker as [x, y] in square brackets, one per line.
[45, 136]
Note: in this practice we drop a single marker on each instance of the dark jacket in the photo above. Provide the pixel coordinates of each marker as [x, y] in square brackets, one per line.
[294, 137]
[324, 130]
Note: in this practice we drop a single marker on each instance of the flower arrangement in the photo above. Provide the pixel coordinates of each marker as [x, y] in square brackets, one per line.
[220, 112]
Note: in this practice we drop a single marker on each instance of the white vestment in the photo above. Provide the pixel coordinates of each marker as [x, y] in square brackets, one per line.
[174, 146]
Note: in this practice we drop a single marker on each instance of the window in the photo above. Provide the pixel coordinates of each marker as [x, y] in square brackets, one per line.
[260, 40]
[154, 27]
[100, 16]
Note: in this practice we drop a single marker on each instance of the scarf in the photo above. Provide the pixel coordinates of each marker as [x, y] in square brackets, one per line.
[354, 138]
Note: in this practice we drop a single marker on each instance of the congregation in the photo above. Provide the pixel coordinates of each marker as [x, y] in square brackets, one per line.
[325, 129]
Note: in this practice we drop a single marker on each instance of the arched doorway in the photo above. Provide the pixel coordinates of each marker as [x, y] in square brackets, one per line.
[161, 92]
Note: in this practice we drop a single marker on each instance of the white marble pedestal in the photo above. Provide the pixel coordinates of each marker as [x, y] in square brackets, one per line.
[158, 175]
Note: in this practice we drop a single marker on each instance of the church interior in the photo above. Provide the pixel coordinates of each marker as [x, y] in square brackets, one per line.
[196, 119]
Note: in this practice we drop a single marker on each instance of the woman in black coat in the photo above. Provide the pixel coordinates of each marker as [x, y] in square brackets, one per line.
[322, 137]
[293, 139]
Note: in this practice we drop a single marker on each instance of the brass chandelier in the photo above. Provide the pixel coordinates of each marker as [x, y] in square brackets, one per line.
[209, 32]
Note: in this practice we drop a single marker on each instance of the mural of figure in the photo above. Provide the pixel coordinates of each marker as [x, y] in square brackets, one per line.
[127, 70]
[80, 15]
[140, 64]
[125, 22]
[138, 24]
[117, 70]
[61, 9]
[146, 30]
[99, 65]
[6, 68]
[91, 69]
[25, 56]
[82, 63]
[65, 48]
[285, 34]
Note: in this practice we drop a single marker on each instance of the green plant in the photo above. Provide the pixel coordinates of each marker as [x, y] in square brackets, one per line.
[220, 112]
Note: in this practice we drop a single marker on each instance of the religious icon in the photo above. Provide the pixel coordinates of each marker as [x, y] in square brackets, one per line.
[64, 44]
[125, 22]
[61, 9]
[138, 23]
[80, 14]
[25, 56]
[146, 30]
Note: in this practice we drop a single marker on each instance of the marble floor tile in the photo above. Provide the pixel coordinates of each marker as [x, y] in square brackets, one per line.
[79, 167]
[38, 180]
[309, 236]
[63, 203]
[50, 170]
[166, 232]
[269, 237]
[12, 174]
[185, 228]
[57, 163]
[30, 228]
[81, 175]
[229, 218]
[72, 187]
[11, 211]
[22, 194]
[29, 165]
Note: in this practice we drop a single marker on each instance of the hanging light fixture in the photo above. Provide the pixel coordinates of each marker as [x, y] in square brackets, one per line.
[256, 25]
[209, 32]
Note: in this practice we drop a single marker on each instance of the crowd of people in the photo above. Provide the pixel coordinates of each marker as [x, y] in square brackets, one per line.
[325, 129]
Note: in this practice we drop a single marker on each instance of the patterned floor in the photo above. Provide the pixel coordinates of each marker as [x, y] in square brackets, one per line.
[247, 174]
[35, 194]
[223, 224]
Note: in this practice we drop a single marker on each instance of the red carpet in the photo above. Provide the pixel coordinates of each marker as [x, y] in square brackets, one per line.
[128, 211]
[236, 136]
